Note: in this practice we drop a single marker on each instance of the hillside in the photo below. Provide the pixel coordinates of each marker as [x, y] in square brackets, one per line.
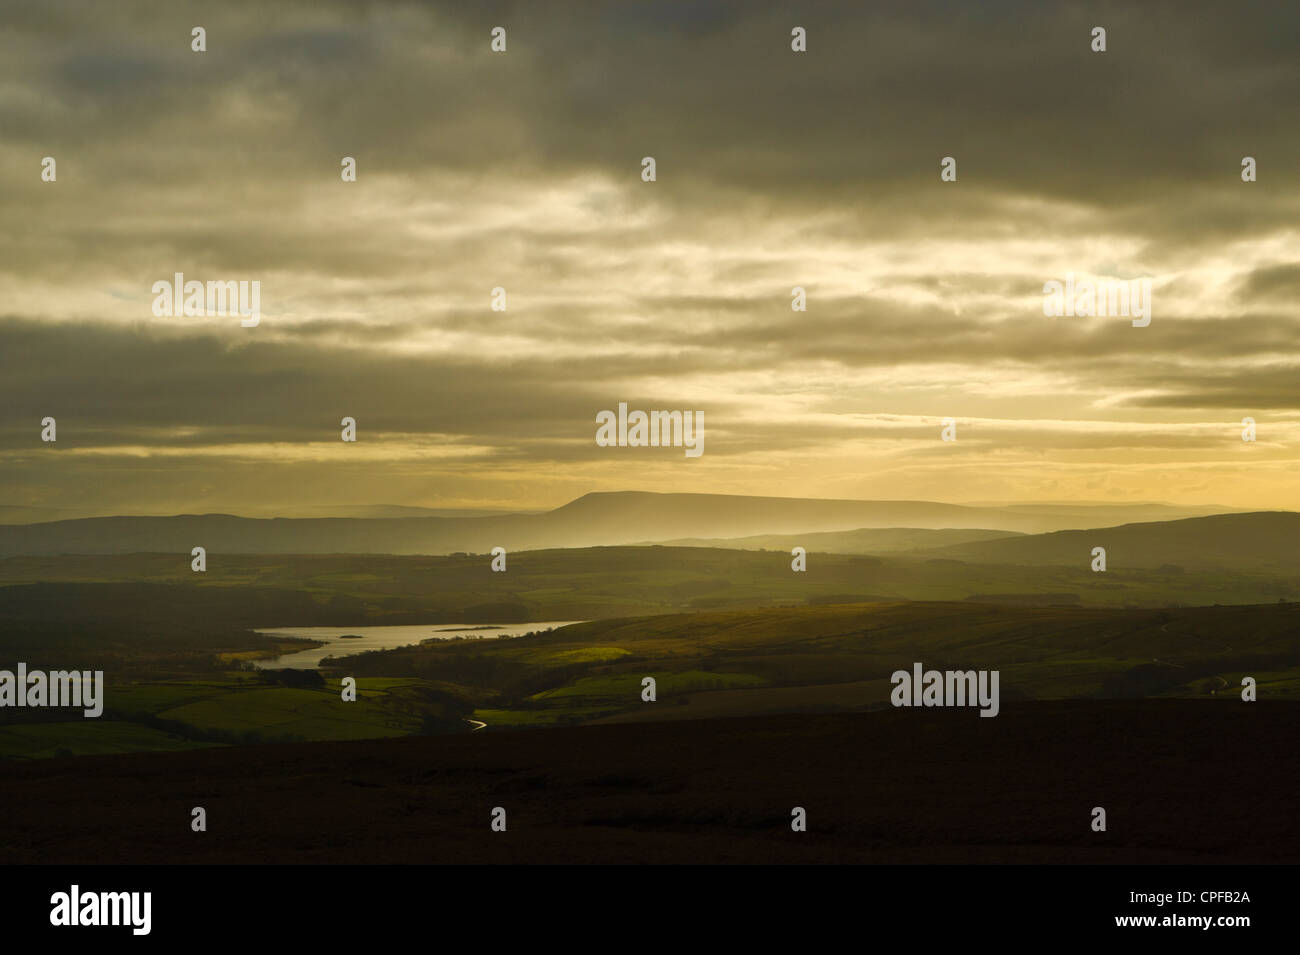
[1263, 541]
[600, 519]
[741, 663]
[863, 540]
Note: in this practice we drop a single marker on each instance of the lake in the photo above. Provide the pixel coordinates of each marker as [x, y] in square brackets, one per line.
[386, 638]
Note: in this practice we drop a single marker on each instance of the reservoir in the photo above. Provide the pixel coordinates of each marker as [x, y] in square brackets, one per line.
[340, 641]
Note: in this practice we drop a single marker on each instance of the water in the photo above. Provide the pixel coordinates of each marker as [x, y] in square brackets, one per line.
[386, 638]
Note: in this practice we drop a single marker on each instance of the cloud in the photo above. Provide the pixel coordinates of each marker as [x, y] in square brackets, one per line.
[478, 170]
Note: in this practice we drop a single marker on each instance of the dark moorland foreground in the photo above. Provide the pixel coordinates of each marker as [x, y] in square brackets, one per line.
[1182, 781]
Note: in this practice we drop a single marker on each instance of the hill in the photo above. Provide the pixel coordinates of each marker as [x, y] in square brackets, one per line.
[741, 663]
[600, 519]
[1263, 541]
[863, 540]
[574, 584]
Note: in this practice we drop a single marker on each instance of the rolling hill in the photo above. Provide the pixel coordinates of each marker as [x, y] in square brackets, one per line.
[593, 520]
[1262, 542]
[863, 540]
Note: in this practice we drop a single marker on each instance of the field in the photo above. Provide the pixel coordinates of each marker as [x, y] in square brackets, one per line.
[722, 632]
[45, 740]
[841, 656]
[140, 717]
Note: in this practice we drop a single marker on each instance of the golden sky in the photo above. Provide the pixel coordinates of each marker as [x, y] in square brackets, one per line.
[523, 170]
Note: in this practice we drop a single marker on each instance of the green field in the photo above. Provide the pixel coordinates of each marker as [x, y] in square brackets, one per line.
[87, 737]
[723, 632]
[841, 656]
[239, 710]
[705, 664]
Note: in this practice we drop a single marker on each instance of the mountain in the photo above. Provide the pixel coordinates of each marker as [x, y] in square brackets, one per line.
[592, 520]
[1265, 541]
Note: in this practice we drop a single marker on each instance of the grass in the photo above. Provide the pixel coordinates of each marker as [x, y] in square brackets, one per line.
[143, 717]
[582, 655]
[283, 713]
[88, 737]
[840, 656]
[706, 664]
[626, 688]
[506, 718]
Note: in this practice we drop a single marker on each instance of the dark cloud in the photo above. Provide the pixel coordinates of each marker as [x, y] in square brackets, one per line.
[1274, 283]
[774, 170]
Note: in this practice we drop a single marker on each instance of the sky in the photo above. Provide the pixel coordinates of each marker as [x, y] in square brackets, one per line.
[522, 170]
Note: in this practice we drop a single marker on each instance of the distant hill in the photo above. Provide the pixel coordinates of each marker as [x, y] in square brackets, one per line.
[592, 520]
[1264, 541]
[31, 514]
[675, 516]
[397, 510]
[863, 540]
[1084, 511]
[24, 514]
